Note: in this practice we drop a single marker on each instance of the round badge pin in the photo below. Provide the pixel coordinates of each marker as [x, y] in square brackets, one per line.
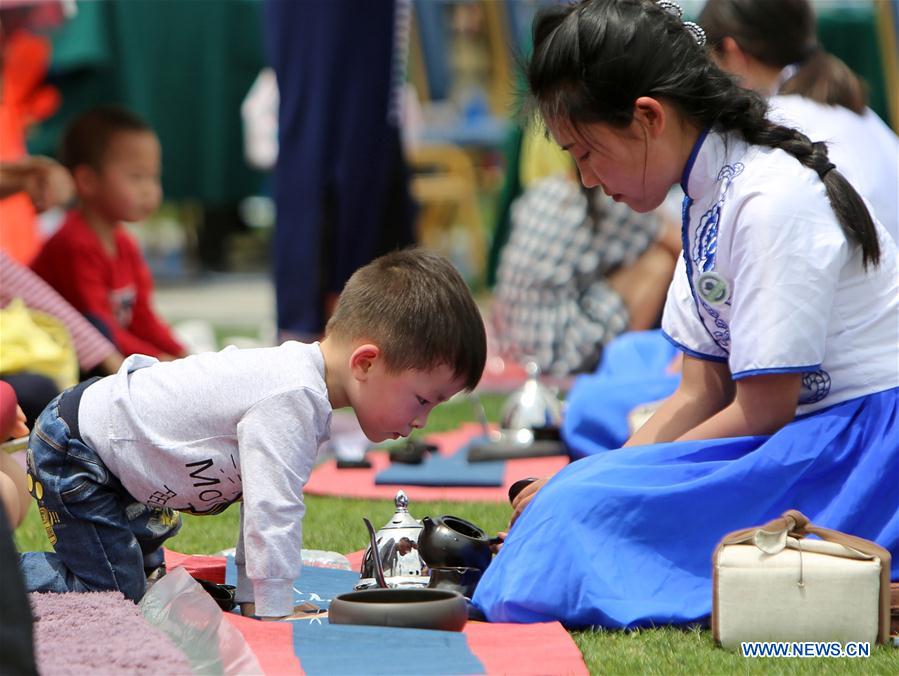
[713, 288]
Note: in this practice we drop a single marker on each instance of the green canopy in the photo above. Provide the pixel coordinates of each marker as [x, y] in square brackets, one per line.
[183, 66]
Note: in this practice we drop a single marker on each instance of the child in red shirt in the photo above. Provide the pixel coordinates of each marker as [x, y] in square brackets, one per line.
[92, 261]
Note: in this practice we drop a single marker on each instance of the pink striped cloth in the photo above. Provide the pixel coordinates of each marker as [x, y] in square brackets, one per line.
[17, 281]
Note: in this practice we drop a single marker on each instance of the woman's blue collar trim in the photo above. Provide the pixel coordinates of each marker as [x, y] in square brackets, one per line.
[688, 167]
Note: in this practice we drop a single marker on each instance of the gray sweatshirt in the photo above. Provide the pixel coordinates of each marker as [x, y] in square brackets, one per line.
[202, 432]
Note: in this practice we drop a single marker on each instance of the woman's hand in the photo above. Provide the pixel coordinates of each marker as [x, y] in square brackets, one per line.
[525, 496]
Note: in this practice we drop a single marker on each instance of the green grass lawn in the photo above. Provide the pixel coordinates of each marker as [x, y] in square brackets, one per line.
[336, 524]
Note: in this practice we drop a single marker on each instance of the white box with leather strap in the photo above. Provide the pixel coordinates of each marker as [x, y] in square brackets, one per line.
[772, 583]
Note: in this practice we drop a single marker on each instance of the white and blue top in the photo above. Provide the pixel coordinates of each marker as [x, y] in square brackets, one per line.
[770, 283]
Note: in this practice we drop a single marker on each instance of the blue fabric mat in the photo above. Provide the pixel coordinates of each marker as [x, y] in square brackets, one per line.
[315, 585]
[443, 470]
[328, 649]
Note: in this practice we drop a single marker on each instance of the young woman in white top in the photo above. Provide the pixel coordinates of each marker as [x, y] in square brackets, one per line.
[784, 304]
[771, 47]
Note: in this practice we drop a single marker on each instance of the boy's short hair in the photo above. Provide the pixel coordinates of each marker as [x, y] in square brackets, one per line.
[415, 306]
[87, 137]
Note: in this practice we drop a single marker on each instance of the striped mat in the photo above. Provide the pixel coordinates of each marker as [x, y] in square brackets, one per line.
[316, 647]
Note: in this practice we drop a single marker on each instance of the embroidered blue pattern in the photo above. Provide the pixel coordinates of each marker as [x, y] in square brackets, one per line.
[705, 246]
[721, 332]
[815, 386]
[705, 249]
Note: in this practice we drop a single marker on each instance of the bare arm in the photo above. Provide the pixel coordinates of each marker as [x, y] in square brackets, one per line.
[705, 389]
[47, 182]
[763, 404]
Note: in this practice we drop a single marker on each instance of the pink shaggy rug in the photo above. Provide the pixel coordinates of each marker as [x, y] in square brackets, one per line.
[99, 633]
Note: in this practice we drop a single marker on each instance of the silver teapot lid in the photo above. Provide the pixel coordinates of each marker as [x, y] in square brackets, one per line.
[401, 518]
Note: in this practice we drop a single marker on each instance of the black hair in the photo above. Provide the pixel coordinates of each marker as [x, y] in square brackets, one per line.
[781, 33]
[417, 308]
[87, 138]
[593, 60]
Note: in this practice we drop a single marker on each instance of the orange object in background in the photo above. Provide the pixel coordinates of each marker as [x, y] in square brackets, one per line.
[24, 101]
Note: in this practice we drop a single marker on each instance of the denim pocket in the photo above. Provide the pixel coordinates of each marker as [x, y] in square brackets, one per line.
[49, 439]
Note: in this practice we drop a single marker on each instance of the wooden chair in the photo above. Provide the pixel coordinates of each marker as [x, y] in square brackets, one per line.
[446, 188]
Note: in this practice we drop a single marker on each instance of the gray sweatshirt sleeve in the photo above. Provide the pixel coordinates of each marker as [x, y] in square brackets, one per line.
[244, 592]
[278, 439]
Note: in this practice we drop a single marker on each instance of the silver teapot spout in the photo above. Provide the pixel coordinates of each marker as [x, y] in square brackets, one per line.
[395, 548]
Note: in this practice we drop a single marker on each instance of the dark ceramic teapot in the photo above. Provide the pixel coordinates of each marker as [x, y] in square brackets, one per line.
[451, 542]
[461, 580]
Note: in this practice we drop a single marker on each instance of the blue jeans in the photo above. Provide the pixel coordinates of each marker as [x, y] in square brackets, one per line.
[104, 539]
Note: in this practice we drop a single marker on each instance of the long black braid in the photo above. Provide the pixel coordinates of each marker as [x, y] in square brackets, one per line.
[592, 60]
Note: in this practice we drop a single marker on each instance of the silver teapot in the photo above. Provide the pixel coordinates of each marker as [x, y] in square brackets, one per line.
[533, 406]
[392, 558]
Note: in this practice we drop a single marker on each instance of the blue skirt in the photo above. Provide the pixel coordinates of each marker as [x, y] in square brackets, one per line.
[633, 371]
[625, 538]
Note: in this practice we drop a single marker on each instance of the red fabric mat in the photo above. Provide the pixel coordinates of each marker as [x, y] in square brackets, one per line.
[355, 559]
[544, 648]
[271, 642]
[326, 479]
[210, 568]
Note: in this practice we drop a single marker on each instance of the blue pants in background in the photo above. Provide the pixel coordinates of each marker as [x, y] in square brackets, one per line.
[341, 183]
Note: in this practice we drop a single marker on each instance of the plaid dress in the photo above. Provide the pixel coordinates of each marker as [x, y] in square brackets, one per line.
[552, 300]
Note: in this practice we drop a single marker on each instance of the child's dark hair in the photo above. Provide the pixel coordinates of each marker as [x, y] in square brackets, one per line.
[781, 33]
[87, 137]
[415, 306]
[592, 60]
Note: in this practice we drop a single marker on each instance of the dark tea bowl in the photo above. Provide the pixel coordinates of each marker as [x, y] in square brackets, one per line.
[413, 608]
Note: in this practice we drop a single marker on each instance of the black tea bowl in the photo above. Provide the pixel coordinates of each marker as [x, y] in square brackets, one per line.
[419, 608]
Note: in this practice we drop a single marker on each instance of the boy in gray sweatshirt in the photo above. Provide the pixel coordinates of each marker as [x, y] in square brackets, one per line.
[111, 460]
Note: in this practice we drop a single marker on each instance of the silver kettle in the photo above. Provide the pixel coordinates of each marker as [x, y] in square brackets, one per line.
[531, 407]
[396, 548]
